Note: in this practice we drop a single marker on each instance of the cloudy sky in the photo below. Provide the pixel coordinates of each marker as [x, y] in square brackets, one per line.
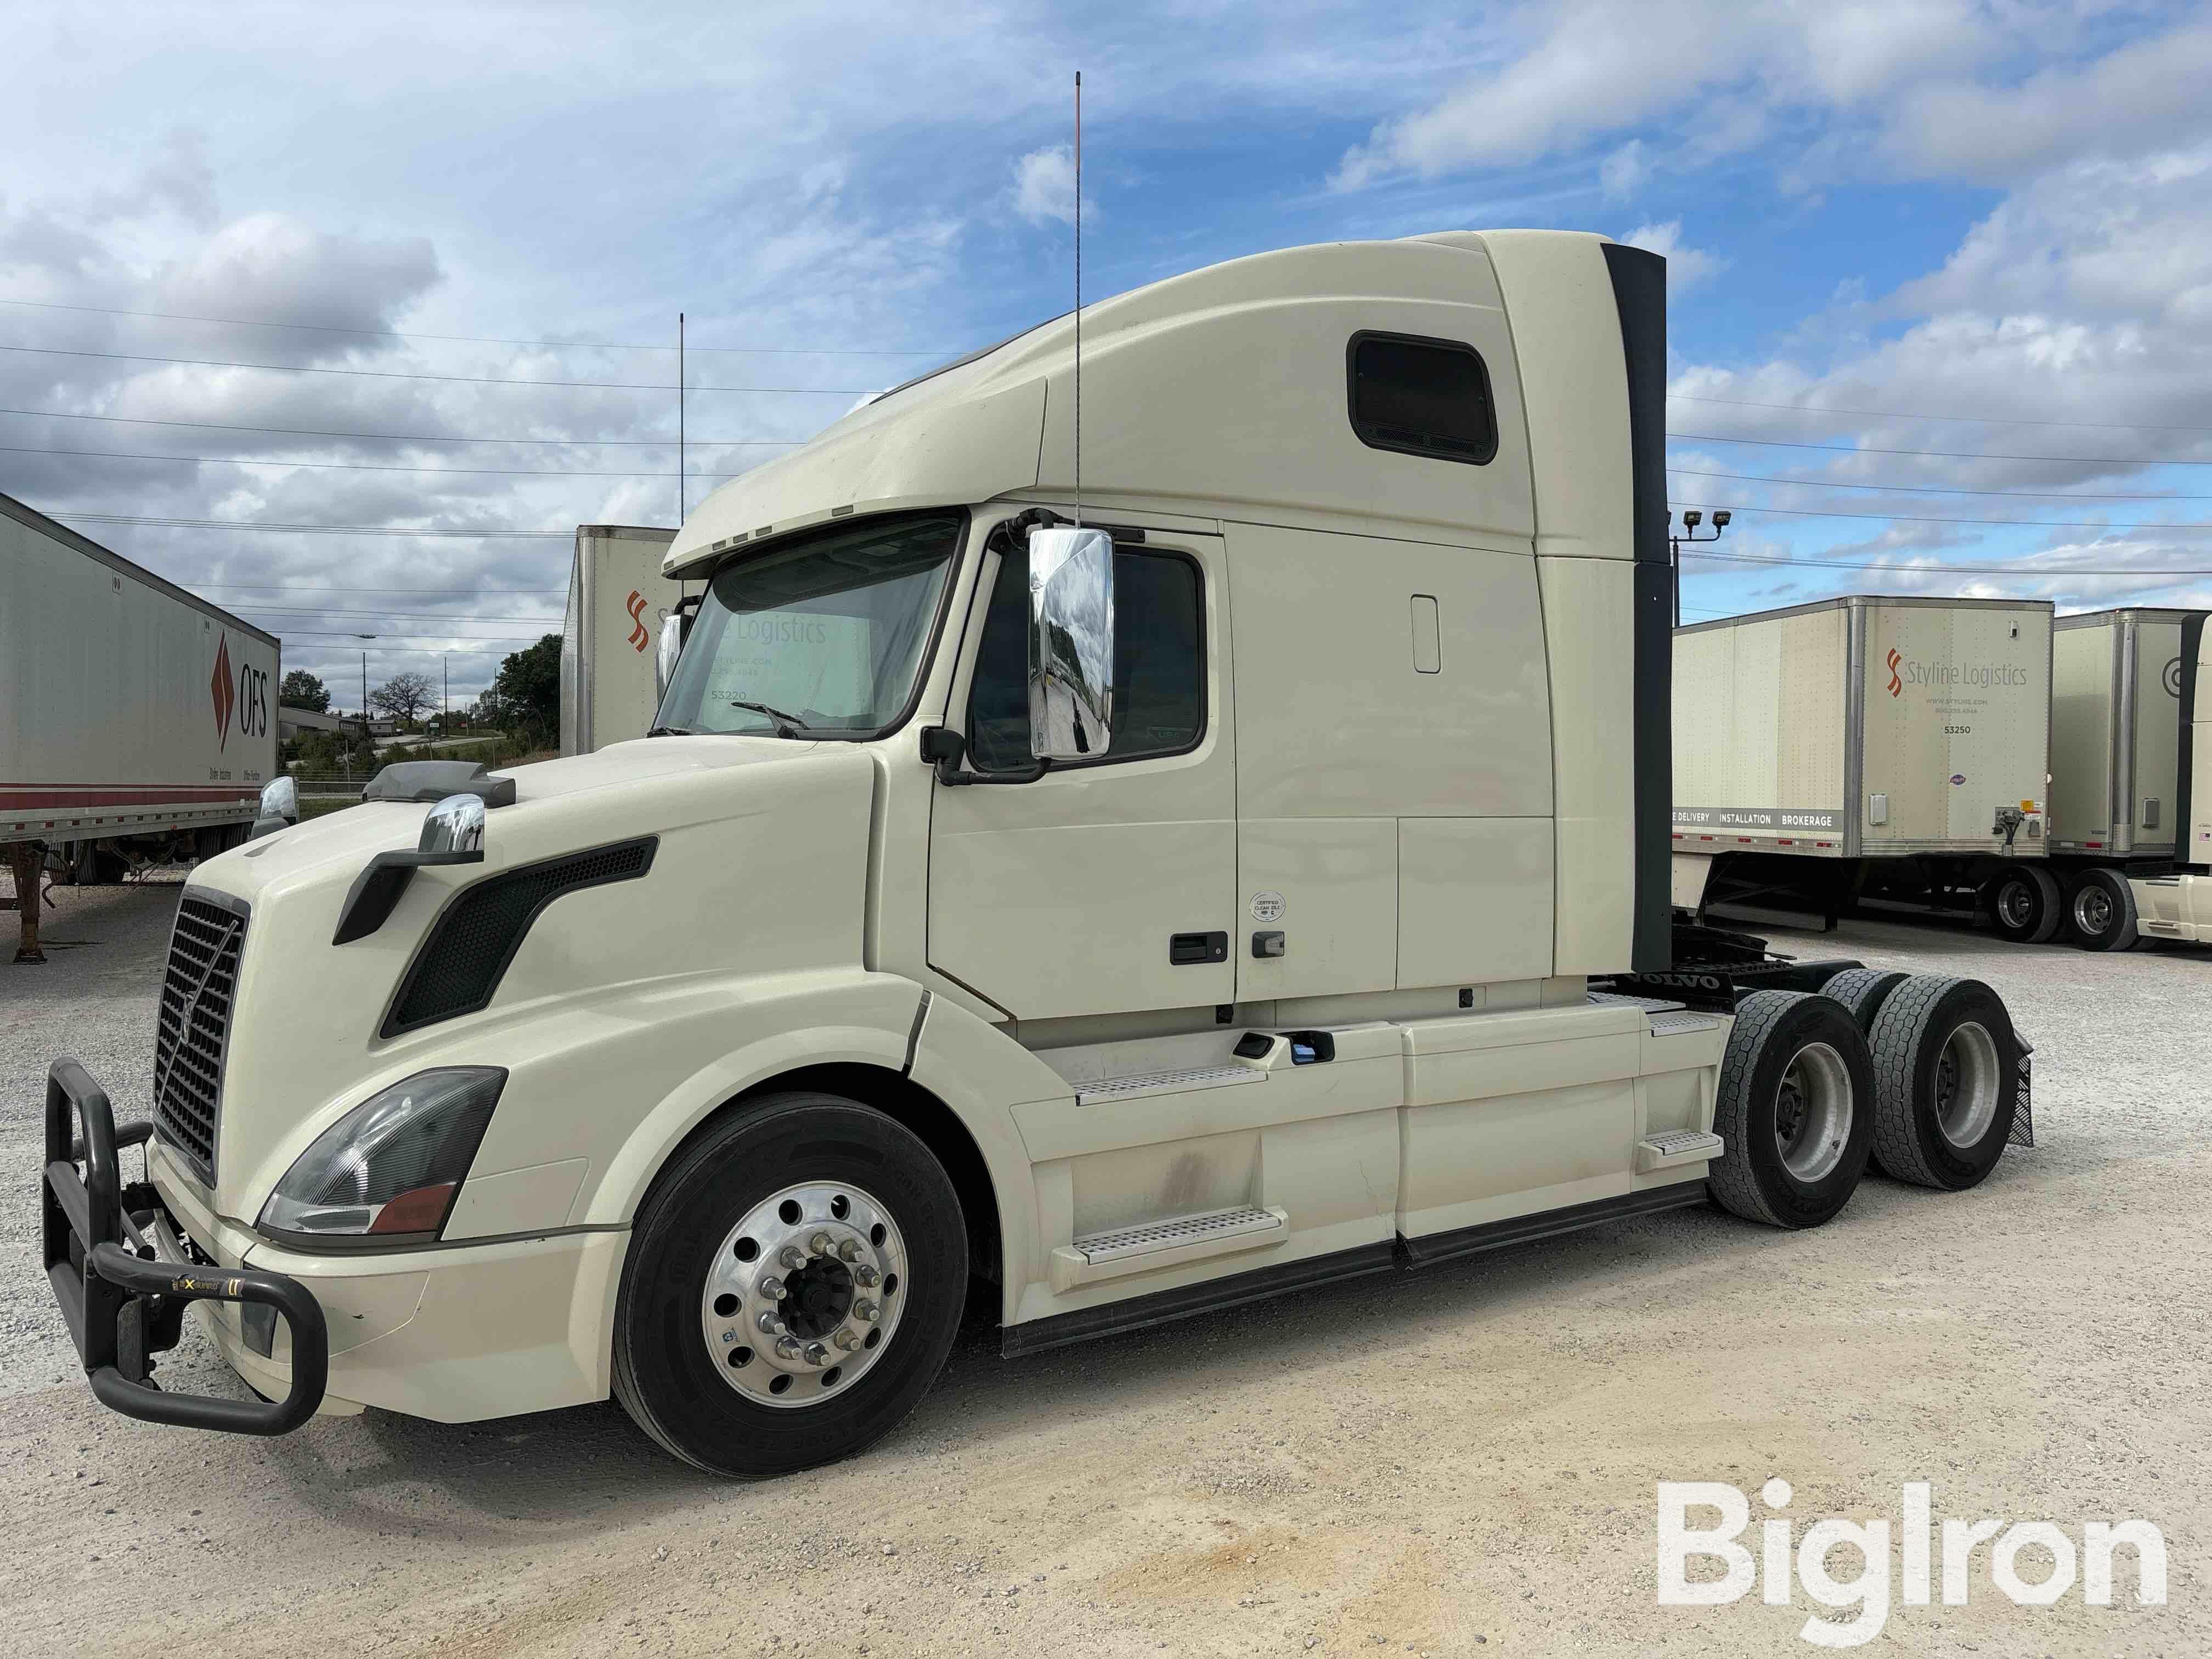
[1941, 273]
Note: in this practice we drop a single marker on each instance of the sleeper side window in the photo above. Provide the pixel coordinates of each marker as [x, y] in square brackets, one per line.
[1159, 663]
[1421, 397]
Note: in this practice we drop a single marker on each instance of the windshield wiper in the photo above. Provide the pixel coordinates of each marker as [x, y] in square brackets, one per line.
[787, 725]
[671, 732]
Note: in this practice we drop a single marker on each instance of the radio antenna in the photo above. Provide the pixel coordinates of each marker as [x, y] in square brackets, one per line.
[1078, 299]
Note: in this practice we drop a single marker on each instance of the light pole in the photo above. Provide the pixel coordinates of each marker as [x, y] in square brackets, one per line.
[1691, 520]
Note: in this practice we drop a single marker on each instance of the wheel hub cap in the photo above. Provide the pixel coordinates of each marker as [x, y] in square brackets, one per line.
[1812, 1112]
[804, 1294]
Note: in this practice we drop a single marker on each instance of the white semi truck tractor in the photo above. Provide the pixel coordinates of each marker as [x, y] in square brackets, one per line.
[1100, 910]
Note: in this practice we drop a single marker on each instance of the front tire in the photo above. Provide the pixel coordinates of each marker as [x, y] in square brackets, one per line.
[2025, 906]
[794, 1285]
[1793, 1111]
[2100, 911]
[1946, 1082]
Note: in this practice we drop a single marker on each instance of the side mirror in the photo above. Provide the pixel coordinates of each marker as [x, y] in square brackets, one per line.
[664, 654]
[1071, 643]
[279, 809]
[453, 833]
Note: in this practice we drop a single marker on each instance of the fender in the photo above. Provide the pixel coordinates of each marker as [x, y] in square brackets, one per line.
[982, 1074]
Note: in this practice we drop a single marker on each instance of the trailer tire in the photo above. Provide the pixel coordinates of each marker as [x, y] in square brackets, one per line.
[1946, 1082]
[1862, 990]
[2100, 911]
[693, 1362]
[2025, 906]
[1793, 1110]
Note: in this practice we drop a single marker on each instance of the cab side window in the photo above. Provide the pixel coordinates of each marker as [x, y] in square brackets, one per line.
[1159, 663]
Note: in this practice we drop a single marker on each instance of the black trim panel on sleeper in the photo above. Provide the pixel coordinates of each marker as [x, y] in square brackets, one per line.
[457, 968]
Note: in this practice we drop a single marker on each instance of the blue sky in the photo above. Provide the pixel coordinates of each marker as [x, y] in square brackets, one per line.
[1999, 212]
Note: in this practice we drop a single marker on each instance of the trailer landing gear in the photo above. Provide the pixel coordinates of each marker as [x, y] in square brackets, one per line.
[25, 859]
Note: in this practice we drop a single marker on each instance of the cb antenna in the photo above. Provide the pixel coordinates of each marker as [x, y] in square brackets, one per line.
[1078, 299]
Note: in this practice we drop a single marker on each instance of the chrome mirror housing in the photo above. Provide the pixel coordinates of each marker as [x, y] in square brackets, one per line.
[1071, 643]
[279, 808]
[455, 824]
[665, 653]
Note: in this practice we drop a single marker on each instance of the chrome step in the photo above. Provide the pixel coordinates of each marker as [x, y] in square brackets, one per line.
[1166, 1083]
[1165, 1243]
[1618, 1000]
[1675, 1025]
[1677, 1146]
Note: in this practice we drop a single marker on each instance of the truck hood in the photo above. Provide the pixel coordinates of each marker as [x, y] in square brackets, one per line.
[759, 864]
[351, 837]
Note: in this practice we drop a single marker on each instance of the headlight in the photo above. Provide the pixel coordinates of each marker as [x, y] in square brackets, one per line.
[393, 1164]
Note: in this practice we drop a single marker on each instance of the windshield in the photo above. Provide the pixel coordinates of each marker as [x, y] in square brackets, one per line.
[823, 638]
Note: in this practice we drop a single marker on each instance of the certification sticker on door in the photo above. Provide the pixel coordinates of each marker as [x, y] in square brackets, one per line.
[1268, 906]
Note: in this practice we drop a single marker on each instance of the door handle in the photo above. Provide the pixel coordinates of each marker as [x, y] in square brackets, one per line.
[1185, 949]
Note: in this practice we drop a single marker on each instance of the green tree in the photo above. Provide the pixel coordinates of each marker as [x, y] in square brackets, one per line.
[301, 689]
[527, 692]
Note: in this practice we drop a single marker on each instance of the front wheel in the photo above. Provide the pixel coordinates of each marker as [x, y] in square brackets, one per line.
[793, 1285]
[1793, 1111]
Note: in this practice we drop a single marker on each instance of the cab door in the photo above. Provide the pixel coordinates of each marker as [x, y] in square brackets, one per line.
[1107, 885]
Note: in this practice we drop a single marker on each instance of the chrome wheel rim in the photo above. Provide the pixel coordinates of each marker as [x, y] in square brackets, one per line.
[2092, 911]
[1966, 1085]
[2016, 904]
[1813, 1113]
[804, 1294]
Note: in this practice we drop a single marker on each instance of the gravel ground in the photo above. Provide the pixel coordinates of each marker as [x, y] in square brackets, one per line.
[1460, 1461]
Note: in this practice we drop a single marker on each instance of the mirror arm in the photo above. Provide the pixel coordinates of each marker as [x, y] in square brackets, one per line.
[946, 748]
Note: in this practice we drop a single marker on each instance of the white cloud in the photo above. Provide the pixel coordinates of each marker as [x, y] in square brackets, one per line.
[1622, 174]
[1044, 187]
[1687, 266]
[1916, 87]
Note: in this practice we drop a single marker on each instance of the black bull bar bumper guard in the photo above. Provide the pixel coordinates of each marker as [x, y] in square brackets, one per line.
[122, 1303]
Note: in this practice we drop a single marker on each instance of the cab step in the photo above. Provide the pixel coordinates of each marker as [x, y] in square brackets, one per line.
[1166, 1083]
[1676, 1147]
[1165, 1243]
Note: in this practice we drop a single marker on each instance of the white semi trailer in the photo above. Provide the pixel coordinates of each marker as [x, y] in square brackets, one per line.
[1260, 884]
[1867, 748]
[137, 719]
[617, 599]
[2126, 856]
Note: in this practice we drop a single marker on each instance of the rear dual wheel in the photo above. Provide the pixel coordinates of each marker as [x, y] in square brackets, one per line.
[1946, 1081]
[2025, 905]
[1793, 1110]
[2100, 911]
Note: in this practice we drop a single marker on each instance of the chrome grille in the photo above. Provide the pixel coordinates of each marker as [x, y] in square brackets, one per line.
[192, 1024]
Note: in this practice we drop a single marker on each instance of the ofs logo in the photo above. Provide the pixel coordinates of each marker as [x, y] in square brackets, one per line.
[244, 694]
[1906, 670]
[639, 639]
[2171, 678]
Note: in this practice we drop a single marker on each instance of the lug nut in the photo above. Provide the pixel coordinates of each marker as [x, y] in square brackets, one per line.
[771, 1323]
[772, 1287]
[849, 1250]
[792, 1256]
[816, 1354]
[867, 1312]
[820, 1245]
[788, 1347]
[866, 1277]
[847, 1338]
